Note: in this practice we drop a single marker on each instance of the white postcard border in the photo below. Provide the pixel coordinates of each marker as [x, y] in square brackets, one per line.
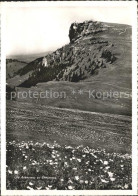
[5, 192]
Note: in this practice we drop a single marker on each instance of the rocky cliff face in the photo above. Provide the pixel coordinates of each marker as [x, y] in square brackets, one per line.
[92, 47]
[78, 30]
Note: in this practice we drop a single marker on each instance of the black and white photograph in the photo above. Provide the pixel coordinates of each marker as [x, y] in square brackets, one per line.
[69, 73]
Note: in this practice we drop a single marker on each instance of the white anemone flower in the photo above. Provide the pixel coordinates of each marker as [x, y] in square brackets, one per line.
[39, 188]
[70, 181]
[76, 177]
[126, 186]
[110, 174]
[70, 187]
[105, 162]
[112, 179]
[30, 188]
[81, 181]
[104, 181]
[9, 171]
[47, 188]
[50, 186]
[16, 172]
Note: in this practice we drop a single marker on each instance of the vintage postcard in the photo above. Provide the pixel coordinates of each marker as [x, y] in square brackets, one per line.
[69, 98]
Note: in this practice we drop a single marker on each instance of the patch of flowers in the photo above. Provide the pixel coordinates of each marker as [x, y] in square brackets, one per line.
[50, 166]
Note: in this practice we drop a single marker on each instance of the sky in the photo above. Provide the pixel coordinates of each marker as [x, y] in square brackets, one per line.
[31, 29]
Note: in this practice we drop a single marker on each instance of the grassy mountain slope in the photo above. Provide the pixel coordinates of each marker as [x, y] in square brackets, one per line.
[12, 66]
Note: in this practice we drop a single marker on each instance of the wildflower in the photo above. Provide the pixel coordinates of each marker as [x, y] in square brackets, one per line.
[110, 174]
[70, 187]
[74, 168]
[50, 146]
[126, 186]
[68, 147]
[86, 181]
[16, 172]
[61, 179]
[83, 155]
[44, 143]
[65, 164]
[79, 160]
[24, 168]
[87, 162]
[70, 181]
[76, 177]
[9, 171]
[104, 181]
[101, 160]
[105, 162]
[30, 188]
[107, 167]
[81, 181]
[89, 170]
[112, 179]
[38, 188]
[93, 155]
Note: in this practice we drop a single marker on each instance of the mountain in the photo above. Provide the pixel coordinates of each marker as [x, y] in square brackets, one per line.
[93, 46]
[98, 57]
[28, 57]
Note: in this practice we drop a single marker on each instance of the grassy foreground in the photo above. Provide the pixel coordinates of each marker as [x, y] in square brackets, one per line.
[47, 166]
[54, 148]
